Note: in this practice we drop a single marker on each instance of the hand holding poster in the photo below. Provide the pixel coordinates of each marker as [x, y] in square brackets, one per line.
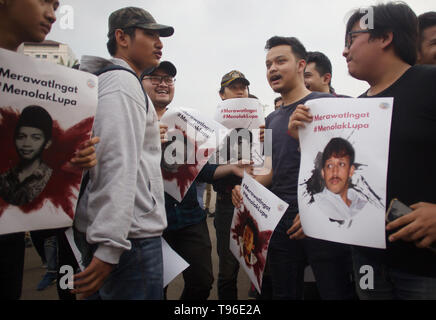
[343, 171]
[192, 139]
[46, 113]
[245, 116]
[252, 227]
[173, 264]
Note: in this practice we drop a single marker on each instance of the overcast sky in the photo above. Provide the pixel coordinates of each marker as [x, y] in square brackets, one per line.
[213, 37]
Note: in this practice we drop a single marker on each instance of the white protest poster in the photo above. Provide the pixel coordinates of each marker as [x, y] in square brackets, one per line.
[244, 116]
[343, 171]
[192, 139]
[240, 113]
[46, 112]
[173, 264]
[252, 227]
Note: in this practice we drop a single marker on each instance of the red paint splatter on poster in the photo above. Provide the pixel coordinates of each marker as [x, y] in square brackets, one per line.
[65, 178]
[261, 239]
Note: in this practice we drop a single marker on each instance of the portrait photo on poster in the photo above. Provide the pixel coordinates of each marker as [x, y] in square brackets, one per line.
[34, 167]
[251, 241]
[338, 185]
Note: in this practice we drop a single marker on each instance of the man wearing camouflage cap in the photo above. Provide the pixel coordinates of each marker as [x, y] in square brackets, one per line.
[121, 215]
[233, 85]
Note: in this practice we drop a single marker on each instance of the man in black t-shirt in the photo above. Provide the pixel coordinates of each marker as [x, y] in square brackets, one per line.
[384, 57]
[289, 251]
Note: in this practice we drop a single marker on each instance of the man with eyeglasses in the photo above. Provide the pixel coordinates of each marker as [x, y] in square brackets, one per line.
[385, 57]
[187, 232]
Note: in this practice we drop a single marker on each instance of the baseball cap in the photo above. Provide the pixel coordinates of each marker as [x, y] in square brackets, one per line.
[231, 76]
[136, 17]
[166, 65]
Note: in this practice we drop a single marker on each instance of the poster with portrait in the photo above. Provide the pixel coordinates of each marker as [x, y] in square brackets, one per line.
[243, 116]
[46, 113]
[252, 227]
[192, 139]
[343, 171]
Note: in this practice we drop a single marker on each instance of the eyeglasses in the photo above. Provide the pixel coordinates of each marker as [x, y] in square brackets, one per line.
[156, 80]
[349, 39]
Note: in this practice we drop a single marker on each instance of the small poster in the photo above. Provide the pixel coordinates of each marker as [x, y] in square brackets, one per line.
[243, 116]
[173, 264]
[252, 227]
[343, 171]
[192, 139]
[46, 113]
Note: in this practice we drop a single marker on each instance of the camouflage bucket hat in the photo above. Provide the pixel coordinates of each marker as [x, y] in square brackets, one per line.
[228, 78]
[136, 17]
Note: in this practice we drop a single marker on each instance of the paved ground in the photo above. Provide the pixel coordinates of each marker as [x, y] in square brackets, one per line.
[33, 273]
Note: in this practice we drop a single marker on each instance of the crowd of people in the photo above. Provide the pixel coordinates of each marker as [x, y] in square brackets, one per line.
[124, 213]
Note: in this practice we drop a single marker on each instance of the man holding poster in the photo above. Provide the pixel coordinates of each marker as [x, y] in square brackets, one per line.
[21, 21]
[289, 250]
[385, 57]
[187, 232]
[233, 114]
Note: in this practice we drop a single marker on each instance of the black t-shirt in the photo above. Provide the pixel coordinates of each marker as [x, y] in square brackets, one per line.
[285, 154]
[412, 160]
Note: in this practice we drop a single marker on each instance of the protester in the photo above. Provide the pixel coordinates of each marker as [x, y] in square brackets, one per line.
[278, 102]
[318, 73]
[233, 85]
[288, 250]
[27, 21]
[385, 57]
[121, 215]
[427, 38]
[187, 232]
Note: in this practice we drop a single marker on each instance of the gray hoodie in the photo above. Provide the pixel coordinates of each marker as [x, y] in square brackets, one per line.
[124, 197]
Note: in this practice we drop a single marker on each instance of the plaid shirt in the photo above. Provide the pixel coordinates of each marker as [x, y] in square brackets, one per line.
[188, 212]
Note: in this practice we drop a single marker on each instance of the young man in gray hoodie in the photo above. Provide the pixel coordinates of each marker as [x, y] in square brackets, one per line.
[121, 215]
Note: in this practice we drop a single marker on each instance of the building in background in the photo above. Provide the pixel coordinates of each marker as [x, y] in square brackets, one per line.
[49, 50]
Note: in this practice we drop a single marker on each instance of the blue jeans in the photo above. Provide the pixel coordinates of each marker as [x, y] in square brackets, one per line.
[51, 253]
[389, 283]
[137, 276]
[287, 259]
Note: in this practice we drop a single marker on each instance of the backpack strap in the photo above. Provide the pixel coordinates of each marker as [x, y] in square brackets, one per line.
[113, 67]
